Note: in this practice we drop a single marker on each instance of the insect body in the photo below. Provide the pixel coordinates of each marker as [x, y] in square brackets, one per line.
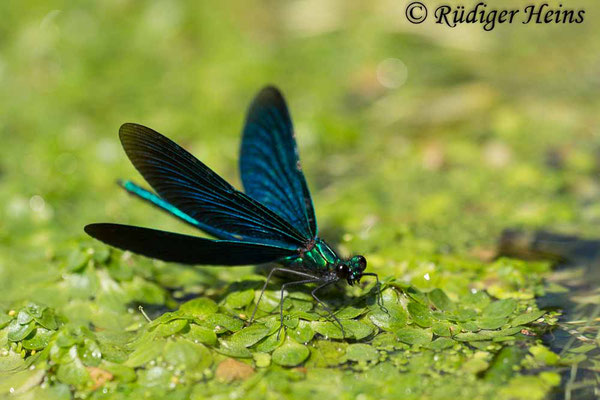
[272, 221]
[321, 259]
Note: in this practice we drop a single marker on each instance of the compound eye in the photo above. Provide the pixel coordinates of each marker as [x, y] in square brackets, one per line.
[343, 270]
[362, 263]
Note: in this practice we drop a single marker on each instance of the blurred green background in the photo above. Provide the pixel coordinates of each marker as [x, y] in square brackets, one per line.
[454, 132]
[416, 140]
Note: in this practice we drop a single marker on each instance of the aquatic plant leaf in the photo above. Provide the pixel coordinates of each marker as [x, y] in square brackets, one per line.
[361, 352]
[290, 354]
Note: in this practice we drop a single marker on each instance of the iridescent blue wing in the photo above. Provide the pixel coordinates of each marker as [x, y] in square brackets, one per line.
[269, 162]
[161, 204]
[191, 187]
[184, 249]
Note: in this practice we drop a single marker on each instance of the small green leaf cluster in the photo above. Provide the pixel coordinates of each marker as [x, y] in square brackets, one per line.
[31, 328]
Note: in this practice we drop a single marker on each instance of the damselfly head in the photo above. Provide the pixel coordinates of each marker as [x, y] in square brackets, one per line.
[352, 269]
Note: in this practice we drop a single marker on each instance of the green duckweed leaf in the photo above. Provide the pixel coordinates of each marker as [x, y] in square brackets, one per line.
[143, 291]
[361, 352]
[392, 318]
[290, 322]
[500, 308]
[24, 317]
[387, 341]
[468, 326]
[442, 328]
[420, 314]
[301, 304]
[240, 299]
[290, 354]
[389, 296]
[11, 361]
[221, 322]
[39, 339]
[543, 355]
[504, 364]
[48, 319]
[350, 312]
[463, 315]
[155, 377]
[477, 363]
[200, 334]
[414, 336]
[145, 352]
[491, 322]
[524, 319]
[73, 372]
[77, 260]
[121, 372]
[262, 360]
[440, 300]
[112, 352]
[199, 307]
[101, 254]
[90, 353]
[417, 295]
[184, 354]
[233, 349]
[302, 333]
[352, 329]
[171, 327]
[249, 336]
[308, 316]
[18, 332]
[325, 353]
[478, 299]
[270, 343]
[441, 343]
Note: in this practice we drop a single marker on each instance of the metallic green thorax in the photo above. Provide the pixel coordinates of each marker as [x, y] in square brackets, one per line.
[318, 258]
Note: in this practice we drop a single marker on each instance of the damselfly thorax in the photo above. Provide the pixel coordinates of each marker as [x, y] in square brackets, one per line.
[316, 257]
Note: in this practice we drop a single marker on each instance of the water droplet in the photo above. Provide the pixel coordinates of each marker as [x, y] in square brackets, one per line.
[426, 276]
[391, 73]
[37, 203]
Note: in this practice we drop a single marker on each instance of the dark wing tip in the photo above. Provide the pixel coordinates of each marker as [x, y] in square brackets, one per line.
[268, 96]
[269, 93]
[130, 129]
[135, 137]
[126, 128]
[131, 126]
[99, 231]
[270, 90]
